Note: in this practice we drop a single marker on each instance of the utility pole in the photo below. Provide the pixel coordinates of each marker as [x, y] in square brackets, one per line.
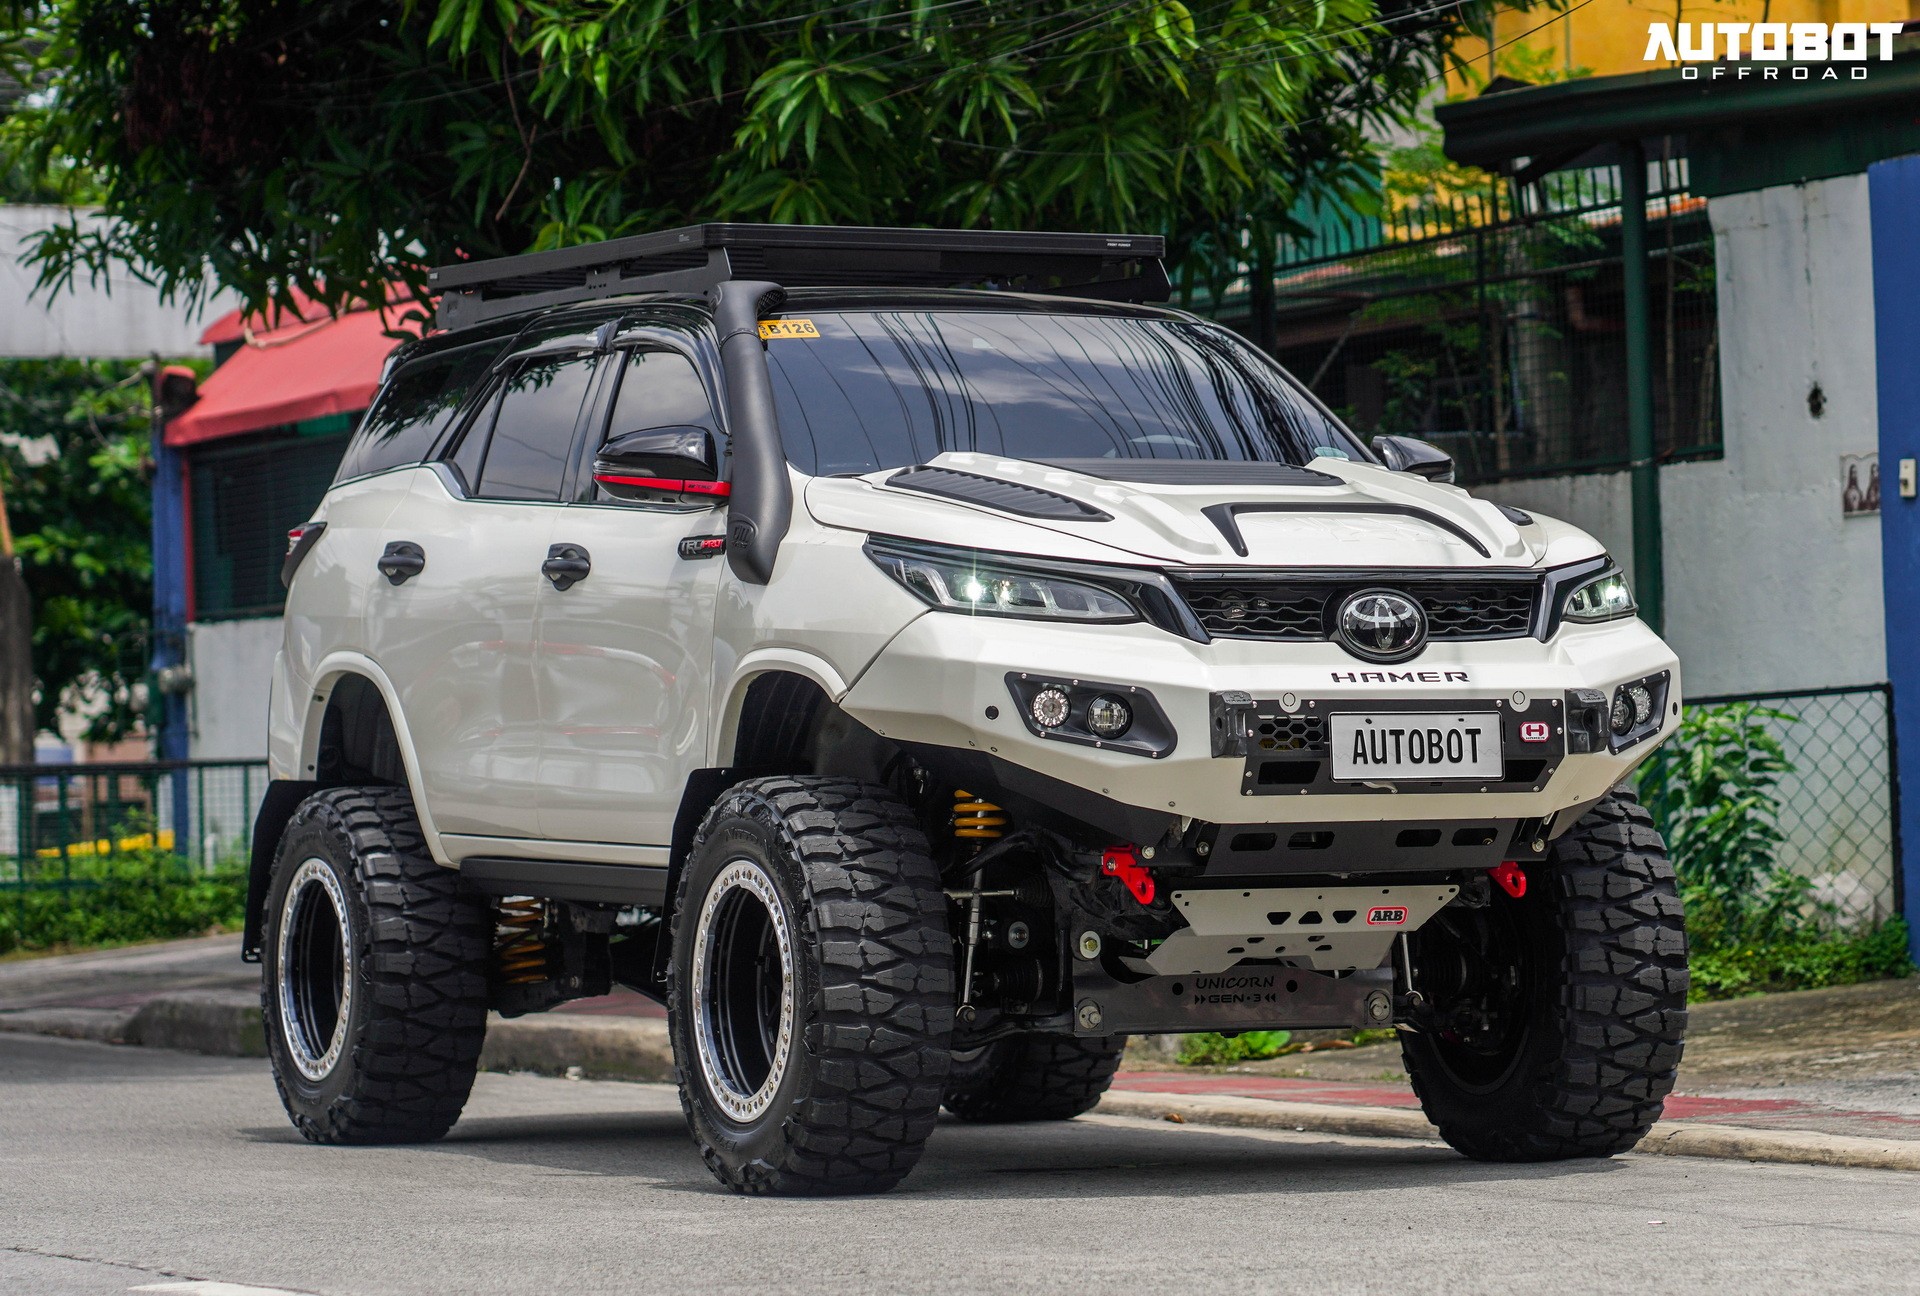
[16, 652]
[1649, 579]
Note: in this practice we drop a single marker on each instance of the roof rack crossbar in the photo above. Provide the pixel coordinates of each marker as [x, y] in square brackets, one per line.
[1115, 267]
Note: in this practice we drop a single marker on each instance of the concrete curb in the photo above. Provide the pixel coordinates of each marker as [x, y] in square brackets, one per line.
[227, 1024]
[1670, 1138]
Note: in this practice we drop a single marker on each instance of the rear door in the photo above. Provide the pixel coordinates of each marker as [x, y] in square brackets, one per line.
[625, 662]
[454, 625]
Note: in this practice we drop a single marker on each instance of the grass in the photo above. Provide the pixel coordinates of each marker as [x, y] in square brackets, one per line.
[1211, 1048]
[1807, 960]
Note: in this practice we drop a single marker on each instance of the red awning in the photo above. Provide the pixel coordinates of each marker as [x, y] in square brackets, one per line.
[293, 372]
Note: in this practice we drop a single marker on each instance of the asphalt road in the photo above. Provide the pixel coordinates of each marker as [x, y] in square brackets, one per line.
[128, 1169]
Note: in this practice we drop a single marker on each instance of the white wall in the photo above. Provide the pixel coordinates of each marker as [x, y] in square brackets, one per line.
[232, 670]
[1768, 587]
[117, 318]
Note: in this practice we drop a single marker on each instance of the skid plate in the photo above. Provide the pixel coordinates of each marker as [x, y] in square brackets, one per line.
[1328, 928]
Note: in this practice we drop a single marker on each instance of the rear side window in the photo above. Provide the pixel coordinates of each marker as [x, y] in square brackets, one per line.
[414, 409]
[532, 420]
[884, 389]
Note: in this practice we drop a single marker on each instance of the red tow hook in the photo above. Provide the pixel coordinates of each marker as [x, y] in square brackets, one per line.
[1119, 861]
[1510, 878]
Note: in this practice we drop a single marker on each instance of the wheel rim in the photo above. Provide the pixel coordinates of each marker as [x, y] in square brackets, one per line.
[743, 1006]
[1477, 967]
[316, 966]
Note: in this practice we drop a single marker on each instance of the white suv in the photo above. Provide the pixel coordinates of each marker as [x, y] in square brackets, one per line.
[920, 663]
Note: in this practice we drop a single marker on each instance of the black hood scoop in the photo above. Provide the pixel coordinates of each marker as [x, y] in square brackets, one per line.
[993, 493]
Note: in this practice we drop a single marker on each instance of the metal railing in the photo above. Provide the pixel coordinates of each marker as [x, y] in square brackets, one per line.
[66, 826]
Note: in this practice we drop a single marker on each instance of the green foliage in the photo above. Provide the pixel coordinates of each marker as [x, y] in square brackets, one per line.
[135, 895]
[73, 465]
[333, 146]
[1806, 960]
[1210, 1048]
[1713, 790]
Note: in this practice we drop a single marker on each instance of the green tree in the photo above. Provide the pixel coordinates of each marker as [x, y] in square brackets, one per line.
[73, 469]
[333, 146]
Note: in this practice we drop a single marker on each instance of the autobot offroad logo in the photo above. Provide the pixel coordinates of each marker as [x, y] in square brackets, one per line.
[1801, 51]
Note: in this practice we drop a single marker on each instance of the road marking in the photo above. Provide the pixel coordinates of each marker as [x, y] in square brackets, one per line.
[204, 1288]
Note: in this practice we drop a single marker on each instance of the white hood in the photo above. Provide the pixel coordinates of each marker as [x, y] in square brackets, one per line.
[1363, 516]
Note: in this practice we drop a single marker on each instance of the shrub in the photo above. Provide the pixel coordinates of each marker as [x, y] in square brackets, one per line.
[113, 899]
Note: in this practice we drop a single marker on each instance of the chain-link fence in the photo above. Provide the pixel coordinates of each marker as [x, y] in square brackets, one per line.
[1836, 797]
[71, 826]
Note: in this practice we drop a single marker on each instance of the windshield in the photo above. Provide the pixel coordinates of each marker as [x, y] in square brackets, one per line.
[863, 390]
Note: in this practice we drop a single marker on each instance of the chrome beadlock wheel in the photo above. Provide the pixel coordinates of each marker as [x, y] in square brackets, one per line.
[316, 969]
[743, 992]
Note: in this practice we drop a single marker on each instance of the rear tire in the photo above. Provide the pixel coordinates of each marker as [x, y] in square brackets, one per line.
[1559, 1018]
[374, 973]
[1032, 1078]
[811, 997]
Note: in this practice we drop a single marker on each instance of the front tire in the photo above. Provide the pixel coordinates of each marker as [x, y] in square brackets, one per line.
[811, 1000]
[374, 973]
[1558, 1018]
[1032, 1078]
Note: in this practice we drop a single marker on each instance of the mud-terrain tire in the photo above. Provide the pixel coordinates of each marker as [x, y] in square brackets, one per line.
[811, 994]
[1032, 1078]
[1592, 981]
[373, 1038]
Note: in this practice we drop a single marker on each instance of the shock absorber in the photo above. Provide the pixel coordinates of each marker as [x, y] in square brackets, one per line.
[978, 820]
[520, 946]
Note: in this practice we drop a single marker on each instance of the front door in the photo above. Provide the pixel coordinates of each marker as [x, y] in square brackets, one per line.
[625, 661]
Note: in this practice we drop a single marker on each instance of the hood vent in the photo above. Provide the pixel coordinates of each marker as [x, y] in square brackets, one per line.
[1195, 472]
[993, 493]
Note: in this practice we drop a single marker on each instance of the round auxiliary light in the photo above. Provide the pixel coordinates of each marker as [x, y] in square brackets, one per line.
[1108, 716]
[1622, 717]
[1049, 707]
[1642, 703]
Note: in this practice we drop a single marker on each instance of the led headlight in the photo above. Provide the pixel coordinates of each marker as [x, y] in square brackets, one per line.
[1049, 708]
[957, 581]
[1603, 598]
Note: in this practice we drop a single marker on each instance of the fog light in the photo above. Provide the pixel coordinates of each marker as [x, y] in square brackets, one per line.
[1049, 708]
[1622, 717]
[1642, 703]
[1108, 716]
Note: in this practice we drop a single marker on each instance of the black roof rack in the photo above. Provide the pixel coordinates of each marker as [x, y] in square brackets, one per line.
[1112, 267]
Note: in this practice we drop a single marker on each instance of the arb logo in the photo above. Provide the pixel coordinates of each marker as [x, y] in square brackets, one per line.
[1535, 731]
[1386, 916]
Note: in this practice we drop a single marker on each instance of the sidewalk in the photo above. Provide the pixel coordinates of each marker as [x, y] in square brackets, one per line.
[1840, 1064]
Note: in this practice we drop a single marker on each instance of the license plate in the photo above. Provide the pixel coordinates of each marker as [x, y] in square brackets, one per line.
[1429, 745]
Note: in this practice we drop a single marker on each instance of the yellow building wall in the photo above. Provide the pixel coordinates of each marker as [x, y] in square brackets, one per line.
[1607, 37]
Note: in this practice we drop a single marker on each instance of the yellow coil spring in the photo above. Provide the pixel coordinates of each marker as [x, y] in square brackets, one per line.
[976, 816]
[521, 951]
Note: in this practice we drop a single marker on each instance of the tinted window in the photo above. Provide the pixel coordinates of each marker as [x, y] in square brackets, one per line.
[533, 421]
[885, 389]
[659, 389]
[414, 408]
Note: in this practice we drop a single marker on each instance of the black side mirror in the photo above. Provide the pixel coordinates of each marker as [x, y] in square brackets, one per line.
[1412, 455]
[662, 462]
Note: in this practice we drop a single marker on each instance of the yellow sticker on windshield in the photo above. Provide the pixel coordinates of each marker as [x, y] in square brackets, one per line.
[788, 328]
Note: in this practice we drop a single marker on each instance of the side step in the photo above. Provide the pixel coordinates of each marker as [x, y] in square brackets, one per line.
[620, 884]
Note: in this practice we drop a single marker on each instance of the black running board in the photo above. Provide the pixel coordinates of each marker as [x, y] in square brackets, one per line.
[618, 884]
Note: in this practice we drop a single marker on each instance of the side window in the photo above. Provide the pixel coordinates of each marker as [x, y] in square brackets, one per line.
[657, 389]
[414, 409]
[528, 430]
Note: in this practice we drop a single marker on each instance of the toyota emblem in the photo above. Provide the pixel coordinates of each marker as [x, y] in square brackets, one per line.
[1382, 625]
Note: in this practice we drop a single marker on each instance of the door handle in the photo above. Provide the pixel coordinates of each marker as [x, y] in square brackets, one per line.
[402, 561]
[566, 565]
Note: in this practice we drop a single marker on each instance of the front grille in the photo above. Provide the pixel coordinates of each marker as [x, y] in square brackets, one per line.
[1301, 608]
